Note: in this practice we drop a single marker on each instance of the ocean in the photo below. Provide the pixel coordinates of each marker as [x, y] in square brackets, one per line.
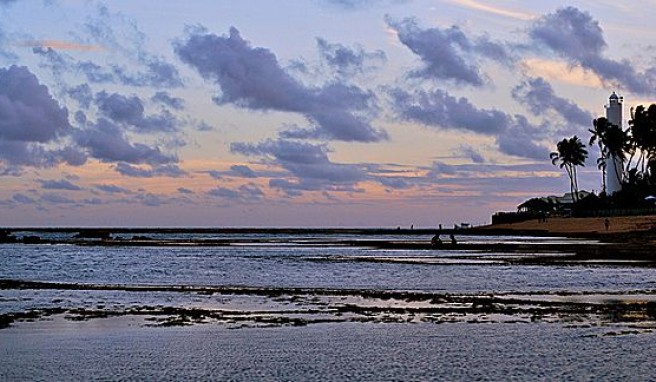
[262, 305]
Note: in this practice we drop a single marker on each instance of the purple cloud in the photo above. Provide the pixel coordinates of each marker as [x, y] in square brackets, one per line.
[348, 61]
[166, 99]
[107, 142]
[246, 193]
[243, 171]
[22, 199]
[577, 37]
[112, 189]
[515, 135]
[155, 170]
[130, 111]
[32, 123]
[252, 78]
[539, 96]
[54, 198]
[62, 184]
[303, 160]
[448, 54]
[308, 163]
[28, 112]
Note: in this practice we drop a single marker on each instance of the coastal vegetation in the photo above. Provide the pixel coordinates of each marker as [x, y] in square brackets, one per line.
[570, 153]
[630, 154]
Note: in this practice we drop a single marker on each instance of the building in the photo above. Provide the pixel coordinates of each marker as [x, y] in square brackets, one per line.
[614, 165]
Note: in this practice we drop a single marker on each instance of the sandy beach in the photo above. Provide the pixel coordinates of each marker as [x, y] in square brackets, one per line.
[567, 225]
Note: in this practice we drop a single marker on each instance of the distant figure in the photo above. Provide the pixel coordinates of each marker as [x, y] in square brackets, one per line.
[453, 240]
[412, 226]
[607, 224]
[440, 226]
[436, 241]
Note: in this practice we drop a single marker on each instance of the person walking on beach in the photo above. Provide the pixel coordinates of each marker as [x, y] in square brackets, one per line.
[606, 224]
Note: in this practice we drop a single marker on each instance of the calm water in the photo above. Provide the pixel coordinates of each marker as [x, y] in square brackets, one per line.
[126, 348]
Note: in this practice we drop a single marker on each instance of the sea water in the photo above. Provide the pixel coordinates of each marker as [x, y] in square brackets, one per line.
[127, 347]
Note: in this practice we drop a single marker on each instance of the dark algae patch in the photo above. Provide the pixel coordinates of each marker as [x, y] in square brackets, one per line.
[306, 306]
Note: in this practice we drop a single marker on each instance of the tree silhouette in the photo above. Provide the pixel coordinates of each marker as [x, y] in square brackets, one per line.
[617, 143]
[570, 153]
[600, 127]
[642, 127]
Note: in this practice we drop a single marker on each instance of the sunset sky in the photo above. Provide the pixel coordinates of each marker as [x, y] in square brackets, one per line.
[303, 113]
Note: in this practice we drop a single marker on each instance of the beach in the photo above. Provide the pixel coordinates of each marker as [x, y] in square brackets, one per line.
[570, 226]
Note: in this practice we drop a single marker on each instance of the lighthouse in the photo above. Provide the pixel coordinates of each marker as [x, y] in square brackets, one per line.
[614, 165]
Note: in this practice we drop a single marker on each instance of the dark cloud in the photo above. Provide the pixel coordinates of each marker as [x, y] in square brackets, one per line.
[112, 189]
[243, 171]
[472, 154]
[215, 174]
[22, 199]
[204, 126]
[539, 96]
[166, 99]
[308, 163]
[448, 54]
[296, 187]
[32, 123]
[519, 141]
[515, 135]
[120, 108]
[246, 192]
[53, 198]
[397, 183]
[348, 61]
[59, 185]
[303, 160]
[82, 94]
[107, 142]
[163, 170]
[438, 108]
[72, 155]
[130, 110]
[28, 112]
[440, 168]
[252, 78]
[577, 37]
[185, 191]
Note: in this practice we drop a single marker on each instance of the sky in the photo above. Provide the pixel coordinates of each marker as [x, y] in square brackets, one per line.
[304, 113]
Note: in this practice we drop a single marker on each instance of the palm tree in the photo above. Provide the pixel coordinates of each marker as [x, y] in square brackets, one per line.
[617, 143]
[601, 165]
[600, 127]
[570, 153]
[643, 134]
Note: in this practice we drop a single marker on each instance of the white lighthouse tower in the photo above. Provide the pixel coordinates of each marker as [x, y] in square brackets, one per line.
[614, 165]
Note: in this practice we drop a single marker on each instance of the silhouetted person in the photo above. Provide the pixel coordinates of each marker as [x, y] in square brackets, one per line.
[607, 224]
[453, 240]
[436, 241]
